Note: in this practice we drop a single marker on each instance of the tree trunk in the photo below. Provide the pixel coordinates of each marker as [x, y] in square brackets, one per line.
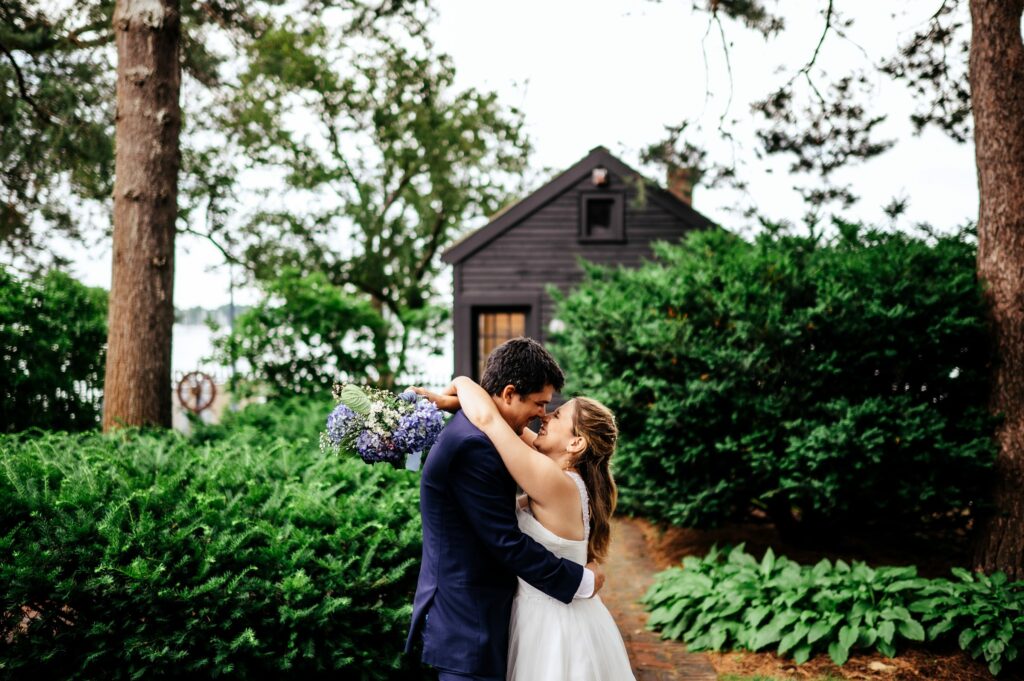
[137, 388]
[997, 99]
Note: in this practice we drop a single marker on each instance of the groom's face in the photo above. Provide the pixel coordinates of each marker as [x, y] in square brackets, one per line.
[518, 410]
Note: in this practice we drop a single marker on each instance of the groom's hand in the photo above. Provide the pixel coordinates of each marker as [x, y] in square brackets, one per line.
[444, 401]
[598, 575]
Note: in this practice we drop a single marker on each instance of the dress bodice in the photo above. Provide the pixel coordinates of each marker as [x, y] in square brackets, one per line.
[570, 549]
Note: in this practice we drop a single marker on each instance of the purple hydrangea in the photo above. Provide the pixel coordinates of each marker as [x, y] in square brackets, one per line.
[372, 448]
[418, 429]
[341, 425]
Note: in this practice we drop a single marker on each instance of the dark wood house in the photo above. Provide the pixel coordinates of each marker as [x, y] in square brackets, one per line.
[502, 270]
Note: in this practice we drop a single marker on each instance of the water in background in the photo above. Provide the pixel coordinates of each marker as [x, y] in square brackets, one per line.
[192, 342]
[189, 344]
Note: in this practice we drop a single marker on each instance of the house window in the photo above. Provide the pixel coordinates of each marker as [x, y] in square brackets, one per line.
[494, 327]
[601, 217]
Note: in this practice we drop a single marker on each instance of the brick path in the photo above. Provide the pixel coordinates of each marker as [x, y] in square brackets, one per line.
[630, 572]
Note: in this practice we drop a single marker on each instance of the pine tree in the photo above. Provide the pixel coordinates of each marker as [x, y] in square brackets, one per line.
[138, 374]
[997, 98]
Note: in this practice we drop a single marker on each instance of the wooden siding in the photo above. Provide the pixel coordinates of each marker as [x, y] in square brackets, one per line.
[543, 249]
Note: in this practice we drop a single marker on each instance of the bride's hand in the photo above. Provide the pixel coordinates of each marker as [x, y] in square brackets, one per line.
[446, 400]
[598, 576]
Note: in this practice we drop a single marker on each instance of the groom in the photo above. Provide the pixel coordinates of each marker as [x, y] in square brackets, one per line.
[472, 546]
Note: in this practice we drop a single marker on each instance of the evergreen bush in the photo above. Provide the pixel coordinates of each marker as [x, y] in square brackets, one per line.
[53, 338]
[826, 384]
[242, 555]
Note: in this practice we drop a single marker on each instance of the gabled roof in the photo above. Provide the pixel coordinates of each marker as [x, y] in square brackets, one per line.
[516, 213]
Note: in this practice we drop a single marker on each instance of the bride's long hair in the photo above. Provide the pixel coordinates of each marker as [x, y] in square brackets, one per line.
[595, 423]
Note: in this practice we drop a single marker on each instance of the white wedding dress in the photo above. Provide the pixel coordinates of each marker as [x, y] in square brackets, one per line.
[551, 641]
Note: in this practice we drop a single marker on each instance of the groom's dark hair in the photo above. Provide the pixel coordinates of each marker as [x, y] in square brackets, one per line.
[525, 364]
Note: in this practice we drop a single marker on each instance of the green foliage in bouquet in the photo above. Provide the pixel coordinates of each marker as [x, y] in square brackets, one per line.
[53, 338]
[827, 384]
[241, 555]
[733, 601]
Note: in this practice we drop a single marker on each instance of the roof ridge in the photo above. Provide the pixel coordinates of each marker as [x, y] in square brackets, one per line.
[560, 183]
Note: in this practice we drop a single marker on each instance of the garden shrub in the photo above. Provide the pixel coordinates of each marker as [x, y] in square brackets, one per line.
[248, 555]
[826, 384]
[297, 419]
[53, 338]
[731, 600]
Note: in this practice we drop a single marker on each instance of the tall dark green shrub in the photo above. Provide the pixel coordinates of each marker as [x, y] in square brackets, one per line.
[828, 384]
[53, 336]
[250, 556]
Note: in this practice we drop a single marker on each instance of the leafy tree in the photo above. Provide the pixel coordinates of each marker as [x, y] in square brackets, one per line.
[386, 158]
[150, 61]
[381, 159]
[57, 80]
[53, 334]
[303, 337]
[56, 90]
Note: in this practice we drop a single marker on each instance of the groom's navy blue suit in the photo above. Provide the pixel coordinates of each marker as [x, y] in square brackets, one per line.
[472, 551]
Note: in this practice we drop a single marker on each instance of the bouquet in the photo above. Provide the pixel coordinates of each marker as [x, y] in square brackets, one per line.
[381, 426]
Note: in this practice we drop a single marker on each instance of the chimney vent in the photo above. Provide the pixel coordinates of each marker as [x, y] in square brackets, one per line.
[680, 183]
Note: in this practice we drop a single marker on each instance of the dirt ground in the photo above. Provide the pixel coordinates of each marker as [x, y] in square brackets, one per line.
[933, 557]
[667, 546]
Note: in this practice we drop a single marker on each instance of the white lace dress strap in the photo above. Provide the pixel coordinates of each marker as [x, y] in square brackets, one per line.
[584, 501]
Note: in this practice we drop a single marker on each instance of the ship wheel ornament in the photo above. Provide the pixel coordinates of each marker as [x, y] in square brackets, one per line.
[196, 391]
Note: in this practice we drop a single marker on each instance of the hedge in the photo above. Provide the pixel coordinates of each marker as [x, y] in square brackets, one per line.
[245, 555]
[827, 384]
[53, 338]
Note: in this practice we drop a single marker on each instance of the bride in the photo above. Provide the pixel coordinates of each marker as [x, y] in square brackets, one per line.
[567, 506]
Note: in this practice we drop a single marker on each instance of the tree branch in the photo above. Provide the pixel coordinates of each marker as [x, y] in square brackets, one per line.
[728, 67]
[432, 245]
[829, 13]
[103, 39]
[332, 137]
[806, 70]
[379, 294]
[46, 116]
[393, 196]
[707, 77]
[223, 251]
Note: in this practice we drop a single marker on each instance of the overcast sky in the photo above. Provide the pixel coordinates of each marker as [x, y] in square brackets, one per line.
[615, 72]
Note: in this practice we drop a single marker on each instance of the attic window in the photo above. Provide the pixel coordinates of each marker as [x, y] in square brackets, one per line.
[601, 217]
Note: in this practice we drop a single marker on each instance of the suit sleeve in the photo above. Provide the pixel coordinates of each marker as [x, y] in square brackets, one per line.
[476, 478]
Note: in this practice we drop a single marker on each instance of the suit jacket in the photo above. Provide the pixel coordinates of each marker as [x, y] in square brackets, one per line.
[473, 550]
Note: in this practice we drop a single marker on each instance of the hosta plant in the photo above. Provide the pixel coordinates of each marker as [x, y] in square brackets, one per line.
[985, 612]
[733, 601]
